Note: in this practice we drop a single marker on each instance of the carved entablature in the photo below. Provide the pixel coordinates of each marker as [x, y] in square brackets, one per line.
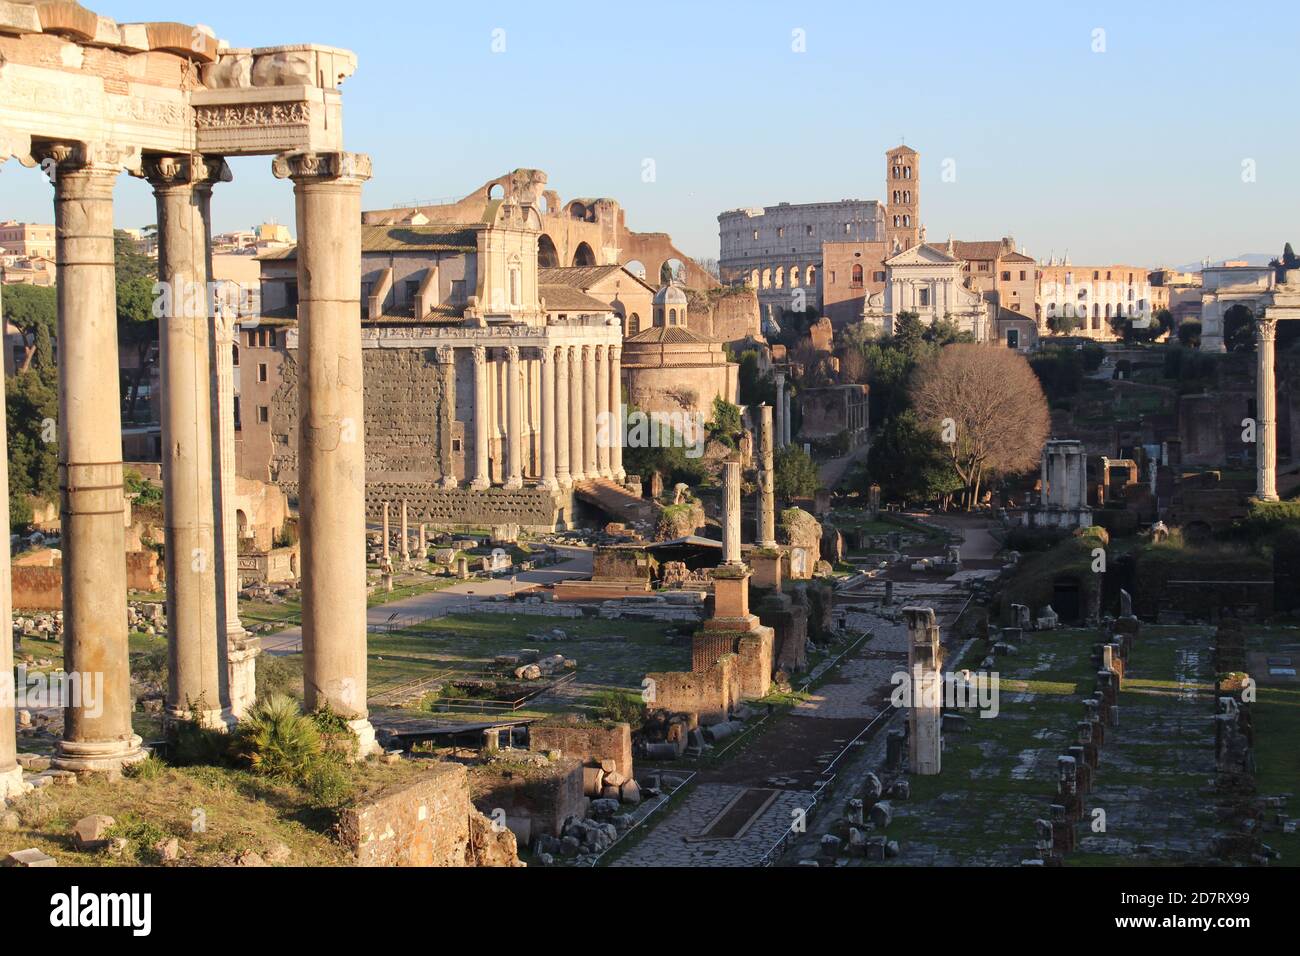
[67, 73]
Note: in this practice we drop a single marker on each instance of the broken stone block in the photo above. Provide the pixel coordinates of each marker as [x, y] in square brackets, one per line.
[871, 789]
[168, 850]
[882, 814]
[630, 792]
[31, 857]
[854, 812]
[831, 844]
[91, 833]
[9, 822]
[901, 789]
[875, 848]
[605, 806]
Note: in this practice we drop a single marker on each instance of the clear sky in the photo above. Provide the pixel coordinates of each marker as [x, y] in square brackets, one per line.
[1134, 154]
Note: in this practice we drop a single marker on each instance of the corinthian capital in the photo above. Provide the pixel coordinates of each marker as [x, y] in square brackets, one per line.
[1266, 328]
[321, 167]
[186, 169]
[446, 354]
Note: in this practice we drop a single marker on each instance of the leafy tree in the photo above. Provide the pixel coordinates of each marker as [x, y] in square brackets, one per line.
[34, 311]
[725, 425]
[1189, 335]
[32, 408]
[1059, 370]
[909, 463]
[796, 475]
[1239, 329]
[988, 407]
[909, 333]
[1064, 324]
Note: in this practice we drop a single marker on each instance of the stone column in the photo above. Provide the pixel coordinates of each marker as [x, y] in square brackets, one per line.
[11, 775]
[98, 735]
[1265, 409]
[447, 414]
[577, 420]
[387, 554]
[242, 647]
[589, 409]
[404, 548]
[603, 431]
[197, 668]
[766, 480]
[481, 480]
[925, 707]
[331, 440]
[514, 421]
[780, 409]
[562, 406]
[786, 416]
[614, 354]
[547, 357]
[731, 512]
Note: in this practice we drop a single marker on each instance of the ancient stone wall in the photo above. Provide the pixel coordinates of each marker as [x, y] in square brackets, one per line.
[40, 587]
[425, 823]
[536, 800]
[462, 509]
[710, 694]
[589, 742]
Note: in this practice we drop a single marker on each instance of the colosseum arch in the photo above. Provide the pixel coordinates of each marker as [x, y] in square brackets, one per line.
[583, 256]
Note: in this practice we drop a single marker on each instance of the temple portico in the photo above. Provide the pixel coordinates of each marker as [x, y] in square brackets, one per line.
[190, 103]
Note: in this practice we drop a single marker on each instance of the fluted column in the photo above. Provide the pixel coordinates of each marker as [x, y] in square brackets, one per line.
[197, 677]
[97, 735]
[1265, 409]
[562, 434]
[547, 358]
[589, 412]
[731, 512]
[615, 355]
[766, 483]
[447, 414]
[604, 432]
[331, 439]
[514, 421]
[577, 420]
[404, 546]
[481, 480]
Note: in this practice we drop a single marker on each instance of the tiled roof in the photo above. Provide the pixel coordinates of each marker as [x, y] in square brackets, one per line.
[666, 335]
[564, 298]
[578, 277]
[435, 237]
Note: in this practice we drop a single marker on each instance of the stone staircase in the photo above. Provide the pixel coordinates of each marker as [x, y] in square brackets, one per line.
[617, 502]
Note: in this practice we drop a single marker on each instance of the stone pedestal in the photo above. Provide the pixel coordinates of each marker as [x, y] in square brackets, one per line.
[91, 501]
[767, 568]
[925, 707]
[327, 191]
[197, 667]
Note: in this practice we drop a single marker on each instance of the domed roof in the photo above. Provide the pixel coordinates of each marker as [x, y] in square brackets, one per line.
[670, 294]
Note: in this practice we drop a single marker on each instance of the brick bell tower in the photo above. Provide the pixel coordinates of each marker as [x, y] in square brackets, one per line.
[902, 199]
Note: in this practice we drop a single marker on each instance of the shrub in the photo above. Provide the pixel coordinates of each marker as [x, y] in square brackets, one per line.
[276, 740]
[621, 706]
[150, 768]
[328, 782]
[276, 677]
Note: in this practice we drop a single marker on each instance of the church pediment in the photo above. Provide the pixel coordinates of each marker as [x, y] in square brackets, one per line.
[921, 255]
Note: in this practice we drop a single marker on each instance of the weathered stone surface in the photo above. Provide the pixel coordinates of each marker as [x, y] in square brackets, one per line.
[32, 857]
[91, 833]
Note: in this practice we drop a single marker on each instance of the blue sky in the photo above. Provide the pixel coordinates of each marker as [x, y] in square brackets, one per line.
[1134, 154]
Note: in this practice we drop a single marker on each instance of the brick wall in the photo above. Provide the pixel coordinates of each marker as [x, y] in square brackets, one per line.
[589, 742]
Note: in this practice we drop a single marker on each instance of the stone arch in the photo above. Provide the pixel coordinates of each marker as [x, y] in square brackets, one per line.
[637, 268]
[753, 279]
[779, 278]
[548, 257]
[496, 191]
[767, 279]
[795, 277]
[811, 276]
[583, 256]
[672, 270]
[1239, 328]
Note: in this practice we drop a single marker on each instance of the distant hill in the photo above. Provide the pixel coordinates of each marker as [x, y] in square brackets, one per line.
[1251, 258]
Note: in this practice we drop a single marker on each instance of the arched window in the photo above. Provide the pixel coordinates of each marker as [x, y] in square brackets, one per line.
[780, 277]
[672, 318]
[812, 275]
[857, 275]
[516, 277]
[794, 277]
[907, 220]
[633, 324]
[767, 278]
[753, 278]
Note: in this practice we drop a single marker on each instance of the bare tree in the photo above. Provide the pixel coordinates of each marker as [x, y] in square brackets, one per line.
[988, 408]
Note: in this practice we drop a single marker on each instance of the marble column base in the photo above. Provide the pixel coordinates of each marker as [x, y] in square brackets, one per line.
[449, 482]
[97, 755]
[550, 484]
[513, 484]
[212, 719]
[367, 744]
[480, 484]
[11, 784]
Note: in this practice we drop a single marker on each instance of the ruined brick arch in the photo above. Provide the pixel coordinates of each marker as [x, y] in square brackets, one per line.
[673, 269]
[548, 257]
[753, 279]
[583, 255]
[767, 278]
[637, 268]
[811, 276]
